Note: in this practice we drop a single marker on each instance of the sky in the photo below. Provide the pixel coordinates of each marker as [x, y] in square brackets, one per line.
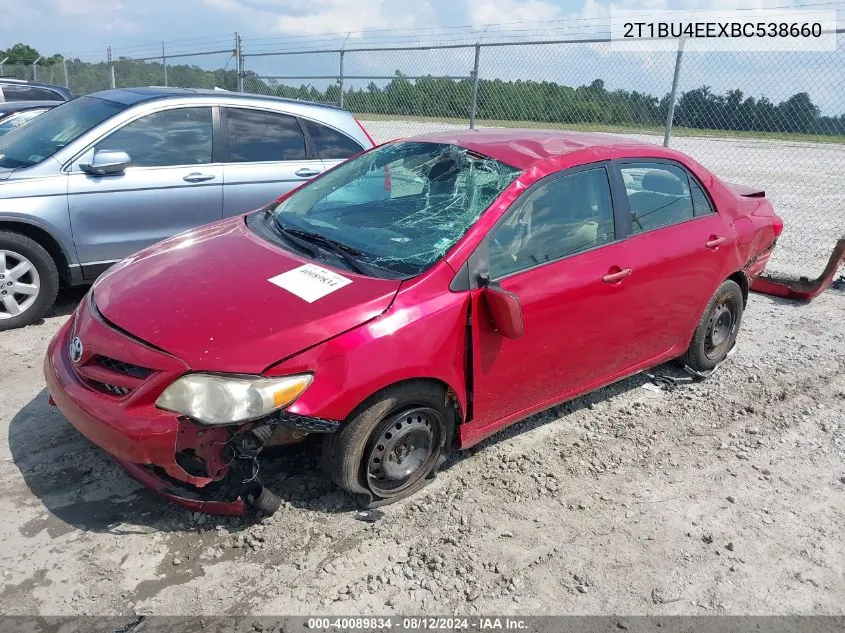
[136, 28]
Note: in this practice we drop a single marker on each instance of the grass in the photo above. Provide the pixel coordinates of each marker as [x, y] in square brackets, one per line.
[612, 129]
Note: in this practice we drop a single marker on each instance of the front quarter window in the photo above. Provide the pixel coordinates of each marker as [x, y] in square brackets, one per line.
[400, 206]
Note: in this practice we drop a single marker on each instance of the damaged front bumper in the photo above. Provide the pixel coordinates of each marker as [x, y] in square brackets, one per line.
[205, 469]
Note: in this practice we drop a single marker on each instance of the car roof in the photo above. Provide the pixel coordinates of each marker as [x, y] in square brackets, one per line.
[522, 148]
[131, 96]
[36, 84]
[17, 106]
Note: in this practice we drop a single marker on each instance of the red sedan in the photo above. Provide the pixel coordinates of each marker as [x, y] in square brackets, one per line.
[407, 303]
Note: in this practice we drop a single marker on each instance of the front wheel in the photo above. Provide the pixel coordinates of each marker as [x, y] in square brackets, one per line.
[715, 335]
[391, 447]
[29, 281]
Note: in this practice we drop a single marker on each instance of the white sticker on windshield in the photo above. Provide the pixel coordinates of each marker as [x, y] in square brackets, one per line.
[310, 282]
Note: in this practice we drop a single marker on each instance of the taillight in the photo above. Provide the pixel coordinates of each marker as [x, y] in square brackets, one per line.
[778, 225]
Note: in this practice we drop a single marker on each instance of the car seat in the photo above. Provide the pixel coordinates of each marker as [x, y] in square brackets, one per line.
[663, 200]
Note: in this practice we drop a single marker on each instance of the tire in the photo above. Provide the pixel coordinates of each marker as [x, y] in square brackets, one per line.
[716, 332]
[18, 309]
[391, 445]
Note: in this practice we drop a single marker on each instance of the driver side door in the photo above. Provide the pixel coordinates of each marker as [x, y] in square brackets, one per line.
[559, 251]
[173, 184]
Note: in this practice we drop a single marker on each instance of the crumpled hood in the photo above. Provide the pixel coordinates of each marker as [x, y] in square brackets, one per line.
[5, 173]
[204, 296]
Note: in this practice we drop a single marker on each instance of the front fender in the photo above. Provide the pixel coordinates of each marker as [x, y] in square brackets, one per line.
[417, 338]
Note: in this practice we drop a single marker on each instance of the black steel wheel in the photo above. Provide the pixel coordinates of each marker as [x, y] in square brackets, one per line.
[717, 329]
[392, 444]
[403, 451]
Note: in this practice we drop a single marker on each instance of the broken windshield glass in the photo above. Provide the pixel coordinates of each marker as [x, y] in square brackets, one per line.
[400, 206]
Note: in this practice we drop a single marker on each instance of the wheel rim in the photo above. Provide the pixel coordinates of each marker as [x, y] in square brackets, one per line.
[404, 451]
[720, 330]
[19, 284]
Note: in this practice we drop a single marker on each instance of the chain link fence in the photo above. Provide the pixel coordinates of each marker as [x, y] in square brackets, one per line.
[767, 119]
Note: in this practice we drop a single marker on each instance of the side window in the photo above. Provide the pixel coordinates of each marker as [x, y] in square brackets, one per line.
[329, 143]
[567, 215]
[256, 136]
[700, 201]
[182, 136]
[659, 195]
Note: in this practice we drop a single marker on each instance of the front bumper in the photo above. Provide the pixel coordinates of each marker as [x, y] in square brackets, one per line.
[117, 412]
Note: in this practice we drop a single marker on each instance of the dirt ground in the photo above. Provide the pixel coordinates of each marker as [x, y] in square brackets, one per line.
[660, 497]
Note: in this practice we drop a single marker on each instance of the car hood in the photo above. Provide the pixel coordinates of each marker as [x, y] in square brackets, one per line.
[205, 297]
[5, 173]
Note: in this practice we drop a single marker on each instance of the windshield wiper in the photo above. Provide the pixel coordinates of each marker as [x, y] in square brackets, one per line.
[344, 251]
[285, 233]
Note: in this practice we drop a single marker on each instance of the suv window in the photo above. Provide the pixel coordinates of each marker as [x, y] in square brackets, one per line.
[24, 92]
[329, 143]
[258, 136]
[658, 194]
[182, 136]
[566, 215]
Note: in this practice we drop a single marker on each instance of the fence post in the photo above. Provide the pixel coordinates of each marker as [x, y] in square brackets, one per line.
[673, 95]
[64, 67]
[5, 59]
[340, 78]
[164, 63]
[239, 62]
[474, 104]
[111, 66]
[35, 68]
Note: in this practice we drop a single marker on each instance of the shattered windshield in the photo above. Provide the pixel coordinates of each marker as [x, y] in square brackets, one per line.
[399, 207]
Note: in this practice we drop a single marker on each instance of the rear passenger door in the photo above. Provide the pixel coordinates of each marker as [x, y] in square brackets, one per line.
[265, 155]
[678, 249]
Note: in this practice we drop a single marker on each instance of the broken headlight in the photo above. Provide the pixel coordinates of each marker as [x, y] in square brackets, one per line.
[218, 400]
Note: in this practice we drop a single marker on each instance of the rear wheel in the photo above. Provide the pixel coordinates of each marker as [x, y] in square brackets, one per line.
[388, 449]
[29, 281]
[716, 333]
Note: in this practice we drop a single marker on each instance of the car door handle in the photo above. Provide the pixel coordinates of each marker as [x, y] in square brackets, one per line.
[617, 276]
[715, 242]
[198, 177]
[307, 172]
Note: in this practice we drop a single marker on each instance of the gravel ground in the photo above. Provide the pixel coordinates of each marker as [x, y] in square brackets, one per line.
[651, 496]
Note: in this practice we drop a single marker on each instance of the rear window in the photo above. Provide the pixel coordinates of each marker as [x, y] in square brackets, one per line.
[331, 144]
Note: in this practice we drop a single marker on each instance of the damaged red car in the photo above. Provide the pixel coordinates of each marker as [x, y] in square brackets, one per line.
[405, 304]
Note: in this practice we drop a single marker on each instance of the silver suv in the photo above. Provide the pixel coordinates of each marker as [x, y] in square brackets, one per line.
[100, 177]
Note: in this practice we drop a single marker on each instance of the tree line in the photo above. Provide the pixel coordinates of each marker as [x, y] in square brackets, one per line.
[499, 100]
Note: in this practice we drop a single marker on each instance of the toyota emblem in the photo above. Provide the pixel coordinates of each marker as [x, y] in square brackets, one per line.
[76, 349]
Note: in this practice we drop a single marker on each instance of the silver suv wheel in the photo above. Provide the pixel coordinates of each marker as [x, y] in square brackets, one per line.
[19, 284]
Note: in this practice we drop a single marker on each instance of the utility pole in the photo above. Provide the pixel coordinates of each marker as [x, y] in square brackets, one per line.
[111, 67]
[164, 63]
[35, 68]
[64, 65]
[670, 115]
[239, 62]
[5, 59]
[473, 106]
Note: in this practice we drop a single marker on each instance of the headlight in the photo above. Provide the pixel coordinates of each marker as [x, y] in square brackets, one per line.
[213, 399]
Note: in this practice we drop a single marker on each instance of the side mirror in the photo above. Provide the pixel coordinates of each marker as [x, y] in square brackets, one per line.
[505, 311]
[107, 161]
